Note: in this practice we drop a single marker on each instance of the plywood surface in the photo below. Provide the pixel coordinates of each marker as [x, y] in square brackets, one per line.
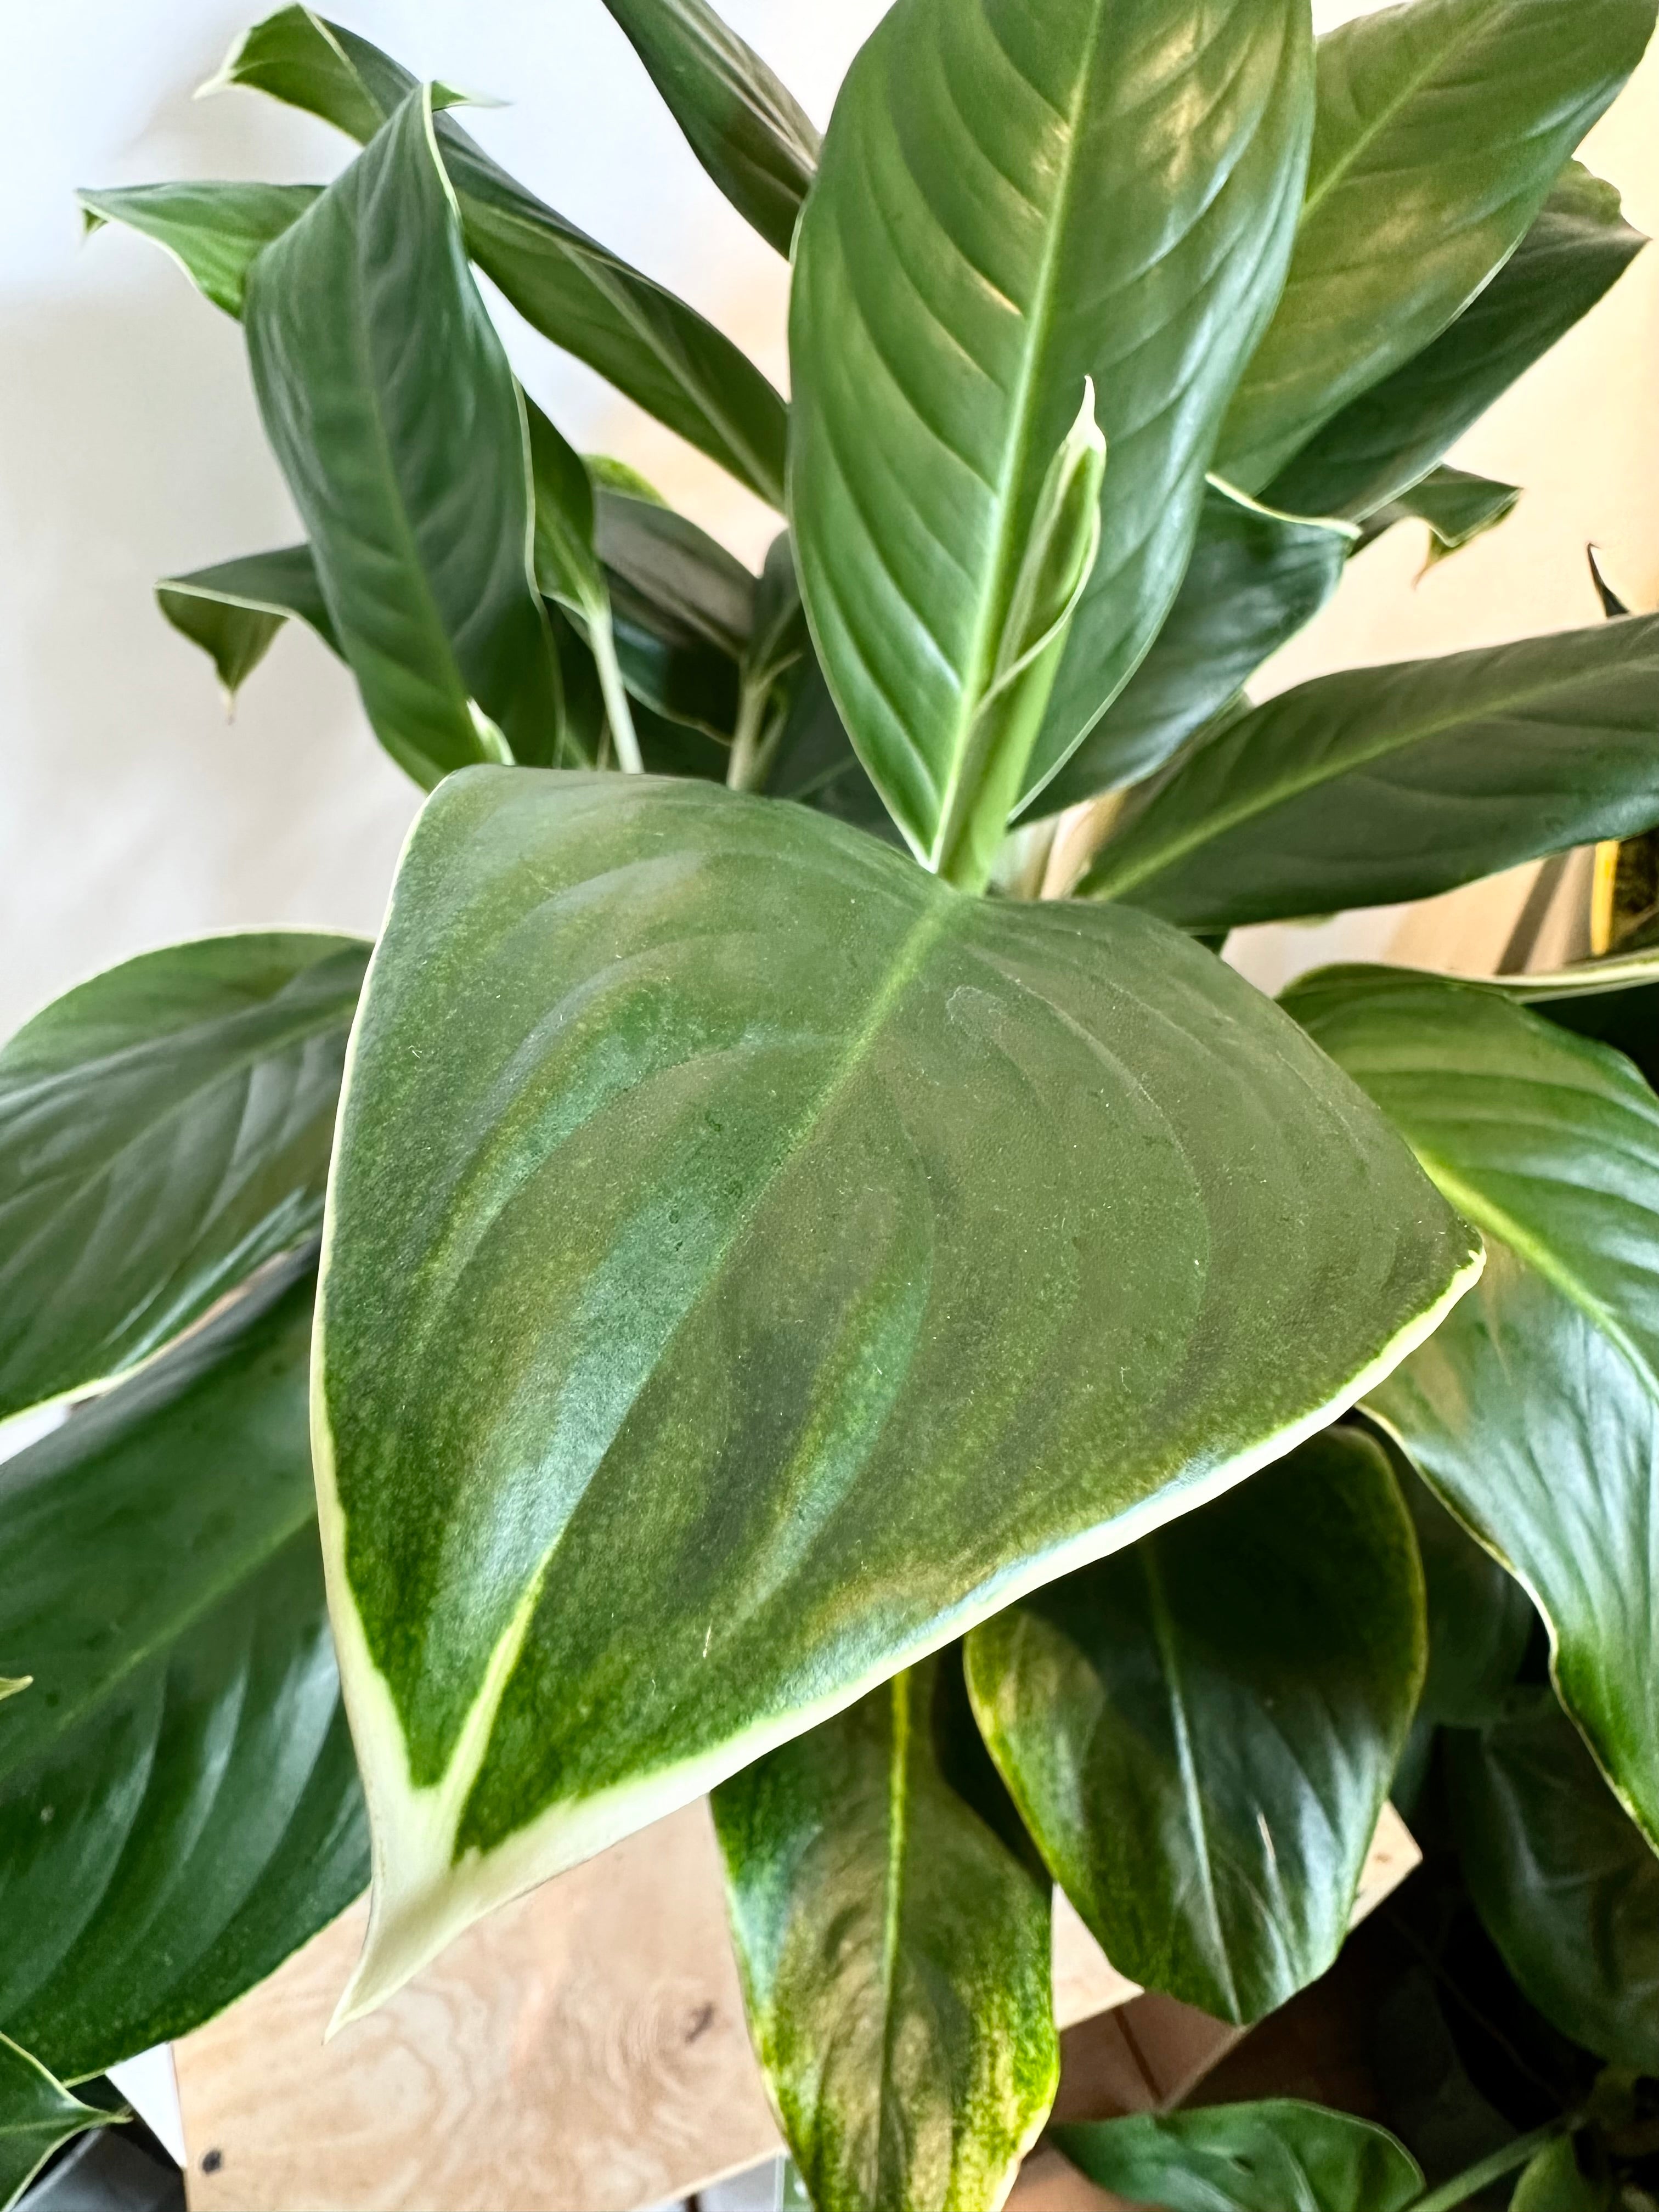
[581, 2050]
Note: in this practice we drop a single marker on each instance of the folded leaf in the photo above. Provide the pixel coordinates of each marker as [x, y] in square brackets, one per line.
[1391, 783]
[212, 231]
[647, 343]
[1015, 196]
[164, 1129]
[1458, 508]
[1280, 2155]
[894, 1952]
[1550, 1145]
[743, 125]
[234, 609]
[1441, 129]
[1200, 1731]
[410, 471]
[36, 2115]
[1254, 579]
[1382, 443]
[784, 1219]
[178, 1804]
[1568, 1889]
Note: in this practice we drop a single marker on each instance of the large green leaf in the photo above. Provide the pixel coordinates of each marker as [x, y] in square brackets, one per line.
[894, 1952]
[1383, 443]
[178, 1804]
[1534, 1412]
[751, 1262]
[1200, 1731]
[1391, 783]
[164, 1129]
[745, 126]
[234, 609]
[1280, 2155]
[1254, 579]
[410, 469]
[1014, 197]
[1566, 1886]
[650, 345]
[212, 231]
[37, 2114]
[1441, 129]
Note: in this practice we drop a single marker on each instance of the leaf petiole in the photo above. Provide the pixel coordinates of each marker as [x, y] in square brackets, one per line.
[1474, 2178]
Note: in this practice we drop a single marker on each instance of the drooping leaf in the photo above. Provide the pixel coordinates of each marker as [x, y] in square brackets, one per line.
[164, 1129]
[1200, 1731]
[179, 1807]
[409, 467]
[893, 1953]
[212, 231]
[1480, 1619]
[1280, 2155]
[1383, 442]
[757, 1382]
[743, 125]
[1441, 129]
[1566, 1886]
[234, 609]
[1458, 508]
[36, 2115]
[1391, 783]
[1254, 579]
[1015, 197]
[1535, 1412]
[647, 343]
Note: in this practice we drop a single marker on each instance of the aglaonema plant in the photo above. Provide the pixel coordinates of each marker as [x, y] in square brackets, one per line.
[797, 1314]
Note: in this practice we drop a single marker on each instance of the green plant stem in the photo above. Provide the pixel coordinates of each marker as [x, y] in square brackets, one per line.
[612, 690]
[1474, 2178]
[749, 758]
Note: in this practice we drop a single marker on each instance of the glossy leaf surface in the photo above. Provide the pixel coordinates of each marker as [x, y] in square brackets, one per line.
[179, 1807]
[212, 231]
[1013, 197]
[1200, 1731]
[683, 607]
[37, 2114]
[1384, 442]
[1280, 2155]
[1441, 129]
[687, 1174]
[1480, 1619]
[1566, 1886]
[234, 609]
[1381, 784]
[893, 1953]
[647, 343]
[743, 125]
[1535, 1412]
[164, 1129]
[1254, 579]
[409, 472]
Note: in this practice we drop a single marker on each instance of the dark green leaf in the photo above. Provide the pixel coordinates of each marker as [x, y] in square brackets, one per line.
[37, 2114]
[164, 1129]
[1441, 129]
[650, 345]
[745, 126]
[408, 468]
[1277, 2156]
[1200, 1731]
[1535, 1411]
[1566, 1884]
[683, 608]
[672, 1121]
[815, 763]
[894, 1954]
[1458, 508]
[212, 231]
[1016, 195]
[179, 1803]
[567, 569]
[1480, 1619]
[234, 609]
[1382, 443]
[1254, 579]
[1391, 783]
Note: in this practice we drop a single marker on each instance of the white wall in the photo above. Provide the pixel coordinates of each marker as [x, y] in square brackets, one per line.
[129, 811]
